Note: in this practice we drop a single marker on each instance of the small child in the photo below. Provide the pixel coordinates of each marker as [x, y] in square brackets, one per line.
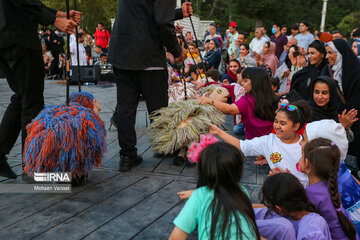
[284, 196]
[320, 162]
[219, 207]
[282, 149]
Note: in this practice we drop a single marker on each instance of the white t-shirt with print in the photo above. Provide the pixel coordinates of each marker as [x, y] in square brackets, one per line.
[277, 153]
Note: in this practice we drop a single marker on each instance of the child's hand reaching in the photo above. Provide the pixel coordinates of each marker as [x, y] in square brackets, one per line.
[225, 82]
[214, 130]
[185, 194]
[260, 160]
[277, 170]
[204, 100]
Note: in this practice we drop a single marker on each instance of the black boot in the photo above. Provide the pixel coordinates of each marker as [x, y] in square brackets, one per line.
[127, 163]
[5, 169]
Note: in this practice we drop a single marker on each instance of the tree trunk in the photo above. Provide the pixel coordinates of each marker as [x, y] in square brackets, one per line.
[212, 10]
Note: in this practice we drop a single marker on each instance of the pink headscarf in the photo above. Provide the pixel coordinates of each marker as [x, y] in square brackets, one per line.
[270, 60]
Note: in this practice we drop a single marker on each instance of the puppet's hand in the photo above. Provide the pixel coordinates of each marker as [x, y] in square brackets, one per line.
[185, 194]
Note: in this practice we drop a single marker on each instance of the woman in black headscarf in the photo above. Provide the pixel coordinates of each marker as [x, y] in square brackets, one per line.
[213, 56]
[303, 79]
[324, 99]
[346, 72]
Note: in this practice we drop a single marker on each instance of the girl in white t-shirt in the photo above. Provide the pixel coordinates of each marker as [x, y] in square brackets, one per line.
[281, 150]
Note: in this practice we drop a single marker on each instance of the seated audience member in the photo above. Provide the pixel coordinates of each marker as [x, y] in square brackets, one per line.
[268, 57]
[213, 55]
[336, 34]
[318, 66]
[192, 55]
[246, 57]
[293, 63]
[230, 75]
[258, 42]
[103, 70]
[96, 55]
[48, 58]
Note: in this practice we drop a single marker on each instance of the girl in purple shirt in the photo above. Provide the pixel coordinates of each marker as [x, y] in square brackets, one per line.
[257, 107]
[320, 162]
[286, 199]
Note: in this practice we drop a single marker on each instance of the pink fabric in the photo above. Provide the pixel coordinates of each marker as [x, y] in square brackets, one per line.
[270, 60]
[196, 148]
[254, 127]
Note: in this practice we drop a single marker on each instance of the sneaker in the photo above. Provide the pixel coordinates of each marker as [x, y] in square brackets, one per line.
[5, 169]
[127, 163]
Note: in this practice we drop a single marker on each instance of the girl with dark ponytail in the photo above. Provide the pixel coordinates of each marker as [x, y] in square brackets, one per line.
[220, 208]
[320, 162]
[285, 197]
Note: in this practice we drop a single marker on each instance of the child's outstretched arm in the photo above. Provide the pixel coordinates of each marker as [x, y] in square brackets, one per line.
[213, 129]
[178, 234]
[185, 194]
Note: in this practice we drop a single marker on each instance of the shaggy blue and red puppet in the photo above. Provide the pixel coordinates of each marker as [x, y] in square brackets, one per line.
[66, 138]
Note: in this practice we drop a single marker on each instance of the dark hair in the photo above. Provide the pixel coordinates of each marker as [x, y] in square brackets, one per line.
[103, 55]
[285, 190]
[319, 46]
[324, 158]
[267, 43]
[356, 33]
[243, 33]
[79, 35]
[337, 31]
[235, 60]
[101, 24]
[275, 82]
[295, 54]
[88, 50]
[294, 27]
[240, 69]
[246, 46]
[284, 25]
[277, 25]
[192, 69]
[214, 74]
[291, 96]
[265, 104]
[220, 169]
[303, 110]
[305, 23]
[98, 46]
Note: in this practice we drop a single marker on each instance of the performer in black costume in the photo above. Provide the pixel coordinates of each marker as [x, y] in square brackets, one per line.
[22, 62]
[141, 31]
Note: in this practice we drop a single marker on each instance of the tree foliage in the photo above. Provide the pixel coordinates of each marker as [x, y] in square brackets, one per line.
[247, 13]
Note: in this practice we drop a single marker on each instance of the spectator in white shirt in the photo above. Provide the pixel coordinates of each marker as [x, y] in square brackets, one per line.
[212, 31]
[82, 52]
[257, 43]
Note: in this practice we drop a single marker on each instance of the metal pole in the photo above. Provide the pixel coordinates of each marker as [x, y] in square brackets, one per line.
[67, 57]
[323, 16]
[77, 50]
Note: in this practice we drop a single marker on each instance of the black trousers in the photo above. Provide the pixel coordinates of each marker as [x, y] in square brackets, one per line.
[24, 71]
[153, 86]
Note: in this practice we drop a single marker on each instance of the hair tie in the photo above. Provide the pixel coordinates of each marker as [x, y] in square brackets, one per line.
[338, 209]
[332, 144]
[196, 148]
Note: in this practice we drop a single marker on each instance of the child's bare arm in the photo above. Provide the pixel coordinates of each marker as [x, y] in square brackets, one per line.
[185, 194]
